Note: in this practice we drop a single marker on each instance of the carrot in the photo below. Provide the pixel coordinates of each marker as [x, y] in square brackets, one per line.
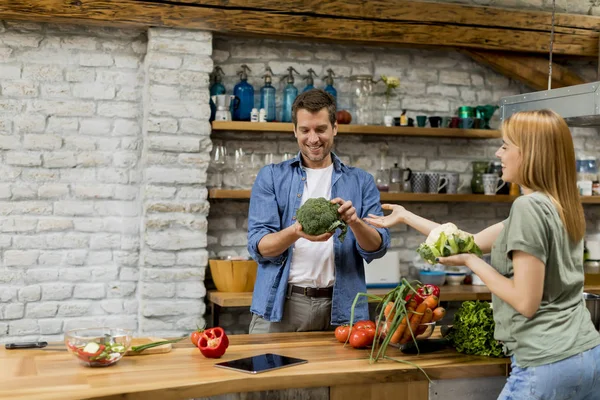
[431, 301]
[425, 320]
[412, 303]
[388, 312]
[400, 330]
[438, 314]
[415, 320]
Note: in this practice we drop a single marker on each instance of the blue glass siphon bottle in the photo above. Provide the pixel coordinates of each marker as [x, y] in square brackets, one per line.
[267, 96]
[310, 82]
[244, 93]
[290, 92]
[329, 84]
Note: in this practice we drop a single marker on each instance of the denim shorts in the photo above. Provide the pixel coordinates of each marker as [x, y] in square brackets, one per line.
[574, 378]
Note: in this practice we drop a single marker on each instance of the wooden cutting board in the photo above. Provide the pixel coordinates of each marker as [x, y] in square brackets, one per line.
[165, 348]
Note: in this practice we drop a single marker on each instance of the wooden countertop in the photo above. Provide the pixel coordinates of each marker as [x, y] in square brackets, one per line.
[448, 293]
[52, 373]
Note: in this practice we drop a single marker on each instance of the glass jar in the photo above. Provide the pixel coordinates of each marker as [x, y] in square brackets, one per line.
[361, 87]
[479, 168]
[382, 179]
[587, 169]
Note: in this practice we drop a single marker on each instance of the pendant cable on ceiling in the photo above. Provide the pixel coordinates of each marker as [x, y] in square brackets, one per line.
[551, 45]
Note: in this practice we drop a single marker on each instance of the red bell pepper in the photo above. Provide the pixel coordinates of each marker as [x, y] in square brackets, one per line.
[423, 292]
[428, 290]
[213, 342]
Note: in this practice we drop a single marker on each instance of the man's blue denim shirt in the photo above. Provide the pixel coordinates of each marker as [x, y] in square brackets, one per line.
[276, 196]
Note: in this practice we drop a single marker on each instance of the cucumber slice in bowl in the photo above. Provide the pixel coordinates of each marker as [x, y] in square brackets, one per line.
[91, 348]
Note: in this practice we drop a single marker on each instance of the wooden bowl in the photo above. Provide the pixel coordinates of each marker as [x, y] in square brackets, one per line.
[233, 275]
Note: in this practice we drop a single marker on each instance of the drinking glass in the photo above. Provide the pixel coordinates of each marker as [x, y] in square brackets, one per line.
[240, 169]
[218, 161]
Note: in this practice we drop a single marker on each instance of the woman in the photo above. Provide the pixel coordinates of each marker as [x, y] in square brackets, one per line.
[536, 276]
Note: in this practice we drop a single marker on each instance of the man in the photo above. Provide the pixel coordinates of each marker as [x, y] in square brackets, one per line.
[308, 283]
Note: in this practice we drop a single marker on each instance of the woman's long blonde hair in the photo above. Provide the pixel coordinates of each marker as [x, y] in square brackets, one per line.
[548, 163]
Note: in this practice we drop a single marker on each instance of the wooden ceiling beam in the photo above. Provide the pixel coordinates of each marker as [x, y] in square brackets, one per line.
[417, 11]
[530, 70]
[473, 32]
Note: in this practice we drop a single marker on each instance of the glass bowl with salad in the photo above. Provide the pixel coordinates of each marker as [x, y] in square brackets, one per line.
[98, 347]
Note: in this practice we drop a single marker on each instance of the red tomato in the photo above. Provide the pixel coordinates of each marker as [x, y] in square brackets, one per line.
[341, 333]
[360, 338]
[371, 332]
[365, 323]
[195, 336]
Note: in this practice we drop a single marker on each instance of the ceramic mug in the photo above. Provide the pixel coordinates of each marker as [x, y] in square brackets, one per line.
[388, 120]
[453, 182]
[478, 123]
[418, 182]
[466, 123]
[434, 122]
[421, 121]
[436, 182]
[446, 122]
[454, 122]
[490, 184]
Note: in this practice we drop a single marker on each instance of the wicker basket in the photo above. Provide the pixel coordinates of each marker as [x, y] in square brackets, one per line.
[231, 275]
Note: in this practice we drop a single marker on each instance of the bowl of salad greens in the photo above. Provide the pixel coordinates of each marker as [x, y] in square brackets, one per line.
[98, 347]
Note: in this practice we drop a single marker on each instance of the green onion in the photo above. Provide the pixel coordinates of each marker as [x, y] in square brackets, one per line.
[397, 296]
[143, 347]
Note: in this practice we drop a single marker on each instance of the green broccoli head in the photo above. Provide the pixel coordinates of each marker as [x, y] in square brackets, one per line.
[318, 216]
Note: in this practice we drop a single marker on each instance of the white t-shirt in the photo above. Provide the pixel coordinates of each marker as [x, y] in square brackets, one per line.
[313, 262]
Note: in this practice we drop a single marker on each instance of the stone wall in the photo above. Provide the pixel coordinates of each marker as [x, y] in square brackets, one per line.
[103, 151]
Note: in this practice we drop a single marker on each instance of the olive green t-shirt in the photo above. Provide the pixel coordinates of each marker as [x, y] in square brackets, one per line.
[562, 326]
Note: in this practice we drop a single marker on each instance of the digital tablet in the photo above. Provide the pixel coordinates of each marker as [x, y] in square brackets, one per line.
[260, 363]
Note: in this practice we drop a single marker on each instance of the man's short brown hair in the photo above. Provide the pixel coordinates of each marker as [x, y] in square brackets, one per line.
[313, 101]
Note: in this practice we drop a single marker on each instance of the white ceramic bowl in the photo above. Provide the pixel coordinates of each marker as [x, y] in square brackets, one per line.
[455, 278]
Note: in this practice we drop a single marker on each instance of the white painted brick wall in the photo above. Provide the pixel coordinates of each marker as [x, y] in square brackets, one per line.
[173, 255]
[71, 168]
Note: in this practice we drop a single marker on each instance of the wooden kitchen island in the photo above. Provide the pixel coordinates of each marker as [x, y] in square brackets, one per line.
[52, 373]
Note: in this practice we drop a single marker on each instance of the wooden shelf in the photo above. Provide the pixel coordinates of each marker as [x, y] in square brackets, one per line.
[228, 194]
[406, 197]
[287, 127]
[447, 293]
[445, 198]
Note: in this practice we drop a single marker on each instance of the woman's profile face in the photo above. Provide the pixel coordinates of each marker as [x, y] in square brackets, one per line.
[510, 156]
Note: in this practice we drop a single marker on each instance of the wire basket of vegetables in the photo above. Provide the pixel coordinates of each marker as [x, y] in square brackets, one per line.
[406, 313]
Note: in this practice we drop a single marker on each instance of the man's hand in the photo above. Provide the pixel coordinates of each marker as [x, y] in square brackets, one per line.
[347, 211]
[320, 238]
